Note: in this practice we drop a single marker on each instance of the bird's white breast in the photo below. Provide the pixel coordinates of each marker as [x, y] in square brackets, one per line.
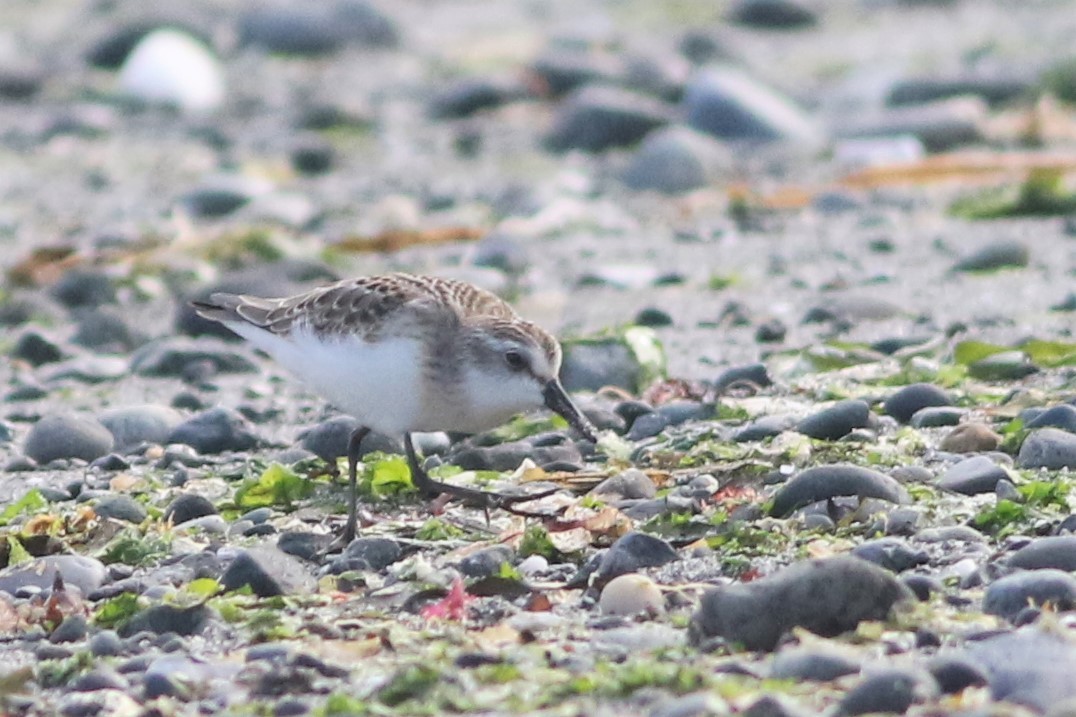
[381, 383]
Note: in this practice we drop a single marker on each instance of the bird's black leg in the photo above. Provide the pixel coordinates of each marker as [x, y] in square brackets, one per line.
[354, 444]
[472, 496]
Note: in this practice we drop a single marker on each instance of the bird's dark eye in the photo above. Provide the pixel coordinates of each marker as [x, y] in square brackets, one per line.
[515, 360]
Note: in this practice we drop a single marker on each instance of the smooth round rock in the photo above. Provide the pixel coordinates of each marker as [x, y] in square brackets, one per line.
[106, 643]
[955, 674]
[893, 554]
[379, 553]
[827, 597]
[647, 426]
[891, 691]
[171, 67]
[630, 484]
[824, 482]
[81, 288]
[329, 439]
[1009, 595]
[217, 430]
[165, 618]
[936, 416]
[74, 628]
[120, 507]
[595, 118]
[86, 574]
[486, 562]
[631, 594]
[132, 425]
[1004, 366]
[36, 349]
[633, 552]
[772, 14]
[753, 375]
[1057, 551]
[836, 421]
[188, 506]
[972, 437]
[268, 571]
[1031, 666]
[727, 103]
[66, 435]
[812, 665]
[173, 357]
[999, 255]
[1050, 448]
[1061, 416]
[903, 404]
[972, 476]
[674, 160]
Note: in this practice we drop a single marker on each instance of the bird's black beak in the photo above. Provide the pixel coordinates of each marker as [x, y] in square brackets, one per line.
[557, 400]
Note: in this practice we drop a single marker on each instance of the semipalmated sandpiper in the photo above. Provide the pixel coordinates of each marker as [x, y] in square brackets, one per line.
[404, 353]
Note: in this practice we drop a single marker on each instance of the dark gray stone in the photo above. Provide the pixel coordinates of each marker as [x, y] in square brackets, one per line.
[836, 421]
[268, 571]
[1004, 366]
[922, 585]
[647, 426]
[1061, 416]
[79, 288]
[316, 29]
[165, 618]
[824, 482]
[105, 329]
[954, 674]
[812, 665]
[1050, 448]
[74, 628]
[726, 103]
[486, 562]
[106, 643]
[86, 574]
[903, 404]
[217, 430]
[66, 435]
[120, 507]
[674, 160]
[632, 483]
[1010, 595]
[1031, 666]
[890, 691]
[308, 546]
[379, 553]
[188, 506]
[754, 375]
[772, 14]
[827, 597]
[1057, 551]
[631, 553]
[329, 439]
[893, 554]
[36, 349]
[174, 357]
[468, 95]
[971, 476]
[595, 118]
[1000, 255]
[763, 428]
[937, 416]
[592, 365]
[132, 425]
[99, 679]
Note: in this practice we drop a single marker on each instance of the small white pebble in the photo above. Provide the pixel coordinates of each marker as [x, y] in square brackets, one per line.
[631, 594]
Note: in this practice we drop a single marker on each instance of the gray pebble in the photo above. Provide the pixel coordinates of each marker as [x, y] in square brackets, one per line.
[632, 553]
[120, 507]
[595, 118]
[217, 430]
[1009, 595]
[903, 404]
[486, 562]
[268, 571]
[1057, 551]
[36, 349]
[836, 421]
[188, 506]
[827, 597]
[66, 435]
[729, 104]
[999, 255]
[971, 476]
[673, 160]
[647, 426]
[73, 629]
[892, 554]
[378, 553]
[754, 375]
[106, 643]
[935, 416]
[824, 482]
[891, 691]
[1050, 448]
[1061, 416]
[812, 665]
[174, 357]
[132, 425]
[632, 483]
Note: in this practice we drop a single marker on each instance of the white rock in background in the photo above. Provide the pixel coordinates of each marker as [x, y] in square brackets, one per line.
[171, 67]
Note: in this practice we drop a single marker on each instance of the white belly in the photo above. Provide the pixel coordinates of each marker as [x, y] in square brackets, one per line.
[381, 384]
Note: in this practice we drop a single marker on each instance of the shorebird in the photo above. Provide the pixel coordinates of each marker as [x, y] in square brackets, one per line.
[404, 353]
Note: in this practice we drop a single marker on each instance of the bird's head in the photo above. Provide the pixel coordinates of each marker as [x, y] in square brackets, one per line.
[513, 367]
